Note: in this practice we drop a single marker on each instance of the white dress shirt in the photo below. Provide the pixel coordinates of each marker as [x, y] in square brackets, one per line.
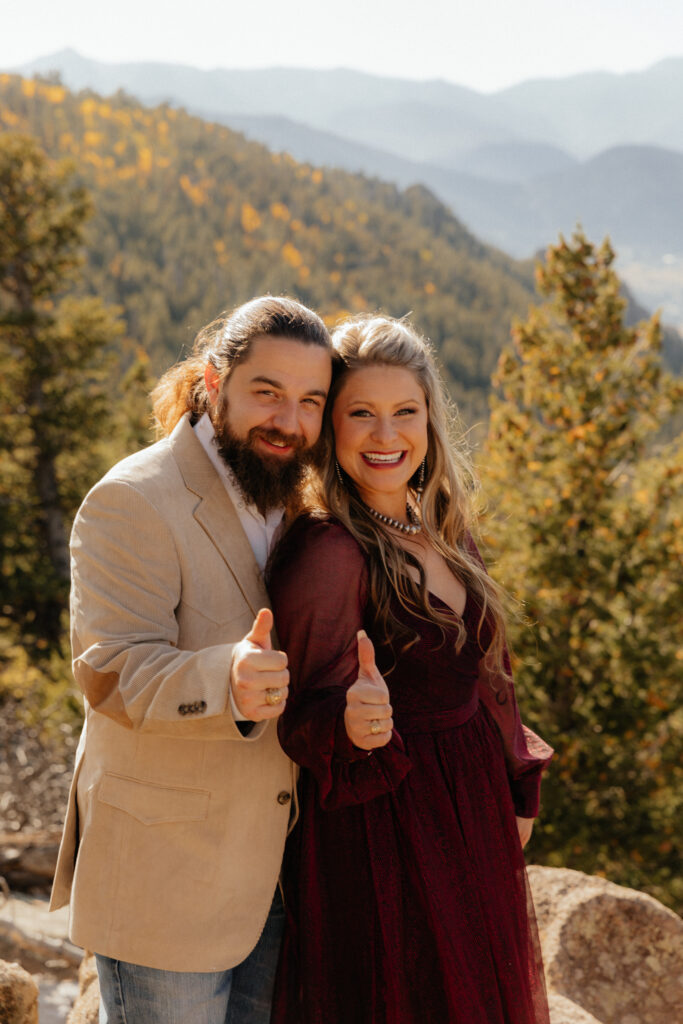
[259, 529]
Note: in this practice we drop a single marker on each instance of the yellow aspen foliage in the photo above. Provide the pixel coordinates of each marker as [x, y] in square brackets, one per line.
[54, 93]
[28, 87]
[145, 160]
[251, 219]
[91, 139]
[88, 107]
[335, 276]
[362, 218]
[317, 176]
[196, 193]
[304, 273]
[426, 255]
[220, 250]
[279, 211]
[295, 225]
[291, 255]
[430, 288]
[10, 118]
[335, 316]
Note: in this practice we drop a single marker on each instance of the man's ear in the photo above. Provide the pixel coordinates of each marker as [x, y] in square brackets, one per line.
[213, 382]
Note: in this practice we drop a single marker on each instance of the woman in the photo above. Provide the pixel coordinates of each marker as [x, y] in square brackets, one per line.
[404, 877]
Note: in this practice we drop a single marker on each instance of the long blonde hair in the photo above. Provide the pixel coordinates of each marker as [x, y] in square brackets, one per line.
[447, 505]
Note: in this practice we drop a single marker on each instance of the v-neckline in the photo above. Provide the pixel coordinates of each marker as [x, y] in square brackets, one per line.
[458, 615]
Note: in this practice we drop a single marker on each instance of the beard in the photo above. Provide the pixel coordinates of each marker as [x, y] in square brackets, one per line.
[269, 482]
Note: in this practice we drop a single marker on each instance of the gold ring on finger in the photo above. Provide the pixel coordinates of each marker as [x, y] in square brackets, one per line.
[375, 726]
[273, 695]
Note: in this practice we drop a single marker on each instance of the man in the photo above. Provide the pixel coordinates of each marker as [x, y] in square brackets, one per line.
[181, 797]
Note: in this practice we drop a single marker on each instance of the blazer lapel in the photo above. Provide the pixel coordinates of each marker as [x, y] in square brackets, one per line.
[217, 515]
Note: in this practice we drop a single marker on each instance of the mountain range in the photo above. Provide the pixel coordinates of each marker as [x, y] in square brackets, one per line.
[517, 167]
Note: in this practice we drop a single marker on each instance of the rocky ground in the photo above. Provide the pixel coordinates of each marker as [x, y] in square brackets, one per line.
[35, 773]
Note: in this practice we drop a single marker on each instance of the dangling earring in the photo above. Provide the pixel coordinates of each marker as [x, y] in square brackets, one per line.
[338, 471]
[421, 482]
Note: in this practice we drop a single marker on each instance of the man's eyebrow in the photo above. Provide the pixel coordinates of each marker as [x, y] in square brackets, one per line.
[259, 379]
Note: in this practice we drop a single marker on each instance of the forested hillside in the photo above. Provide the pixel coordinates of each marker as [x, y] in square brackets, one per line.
[191, 218]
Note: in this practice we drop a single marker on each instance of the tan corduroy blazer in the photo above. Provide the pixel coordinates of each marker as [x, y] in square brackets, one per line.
[176, 821]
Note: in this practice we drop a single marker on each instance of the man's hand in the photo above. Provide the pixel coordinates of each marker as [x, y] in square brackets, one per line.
[258, 677]
[367, 716]
[525, 828]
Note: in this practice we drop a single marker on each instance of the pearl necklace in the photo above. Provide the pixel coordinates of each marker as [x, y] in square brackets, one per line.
[412, 527]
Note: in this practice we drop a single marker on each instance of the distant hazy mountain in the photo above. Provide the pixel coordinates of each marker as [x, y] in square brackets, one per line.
[632, 193]
[434, 122]
[515, 161]
[517, 166]
[591, 112]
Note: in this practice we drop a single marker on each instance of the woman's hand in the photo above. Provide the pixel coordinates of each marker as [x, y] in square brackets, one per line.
[525, 827]
[367, 716]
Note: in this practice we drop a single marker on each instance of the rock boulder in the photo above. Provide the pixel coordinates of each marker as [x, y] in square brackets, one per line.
[18, 995]
[86, 1008]
[614, 952]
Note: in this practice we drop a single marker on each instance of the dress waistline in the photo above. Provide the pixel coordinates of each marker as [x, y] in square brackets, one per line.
[438, 721]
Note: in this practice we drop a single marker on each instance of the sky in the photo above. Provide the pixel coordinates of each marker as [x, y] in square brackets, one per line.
[484, 44]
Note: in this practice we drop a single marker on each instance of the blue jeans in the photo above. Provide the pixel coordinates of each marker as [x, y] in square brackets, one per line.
[130, 994]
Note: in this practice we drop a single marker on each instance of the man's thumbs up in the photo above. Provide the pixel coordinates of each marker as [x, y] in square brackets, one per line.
[258, 675]
[367, 716]
[259, 634]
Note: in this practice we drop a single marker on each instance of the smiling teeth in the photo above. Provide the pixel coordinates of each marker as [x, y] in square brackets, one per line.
[388, 457]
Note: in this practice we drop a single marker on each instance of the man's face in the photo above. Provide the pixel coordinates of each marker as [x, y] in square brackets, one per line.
[269, 415]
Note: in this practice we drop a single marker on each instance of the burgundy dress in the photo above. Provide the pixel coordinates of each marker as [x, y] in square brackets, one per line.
[405, 885]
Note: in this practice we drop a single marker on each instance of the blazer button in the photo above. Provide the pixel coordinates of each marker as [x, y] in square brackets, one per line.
[284, 797]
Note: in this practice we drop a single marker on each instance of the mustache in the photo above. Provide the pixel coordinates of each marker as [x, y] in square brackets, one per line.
[295, 441]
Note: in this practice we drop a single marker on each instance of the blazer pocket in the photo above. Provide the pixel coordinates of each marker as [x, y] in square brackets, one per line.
[151, 803]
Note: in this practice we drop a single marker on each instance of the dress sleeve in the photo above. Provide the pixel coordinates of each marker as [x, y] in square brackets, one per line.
[526, 754]
[317, 587]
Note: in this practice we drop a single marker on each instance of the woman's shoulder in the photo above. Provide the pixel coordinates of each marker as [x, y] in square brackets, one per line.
[321, 542]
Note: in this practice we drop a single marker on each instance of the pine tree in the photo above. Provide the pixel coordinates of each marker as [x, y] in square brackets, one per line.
[587, 535]
[54, 391]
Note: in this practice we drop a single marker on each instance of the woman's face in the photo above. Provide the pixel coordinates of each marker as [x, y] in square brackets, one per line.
[380, 430]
